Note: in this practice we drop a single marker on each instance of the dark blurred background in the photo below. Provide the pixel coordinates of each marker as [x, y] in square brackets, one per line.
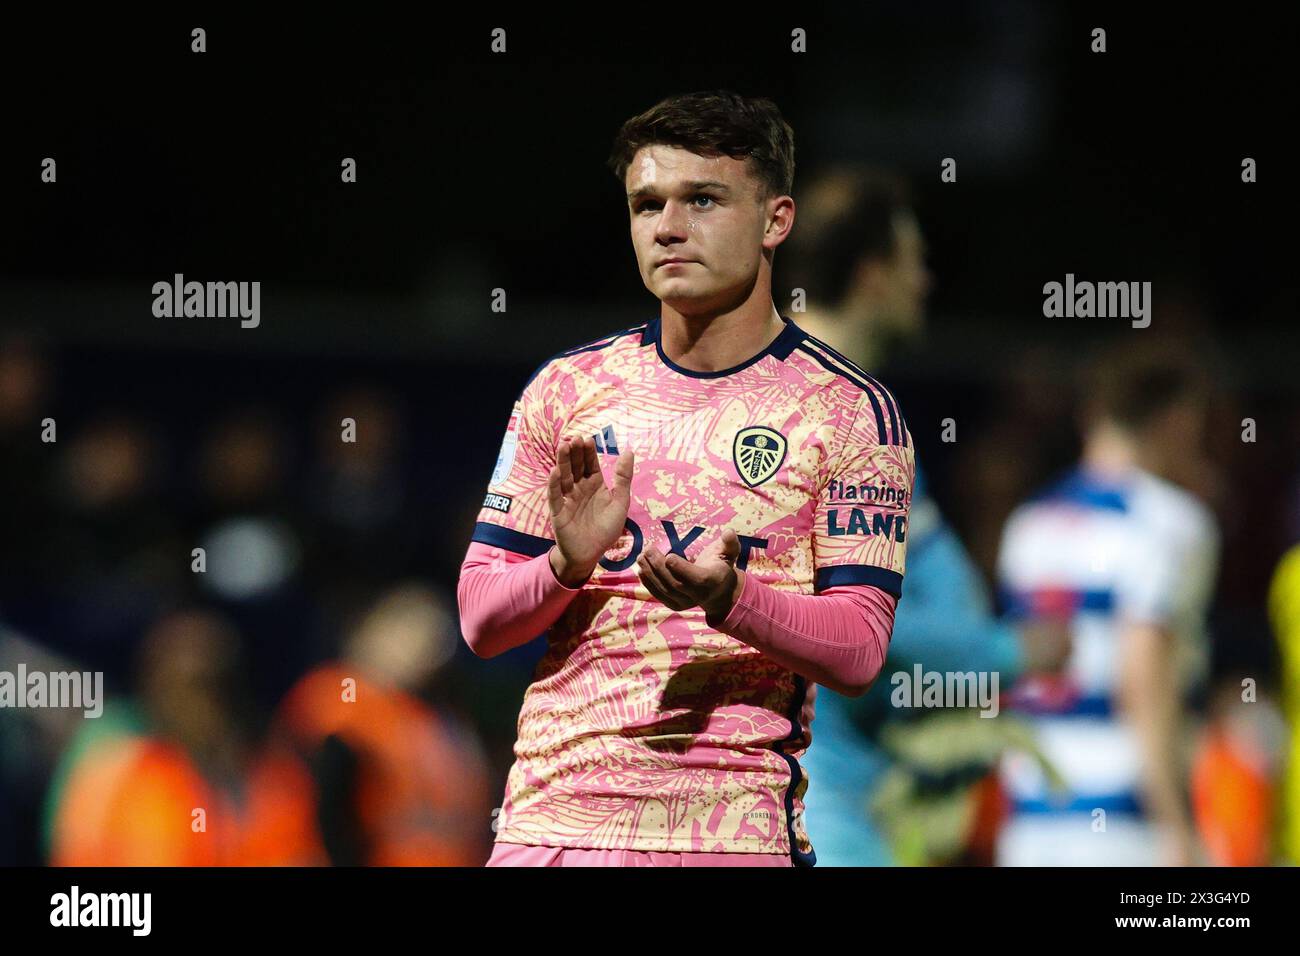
[478, 171]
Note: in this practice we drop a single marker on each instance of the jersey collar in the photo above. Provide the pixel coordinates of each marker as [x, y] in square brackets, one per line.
[780, 349]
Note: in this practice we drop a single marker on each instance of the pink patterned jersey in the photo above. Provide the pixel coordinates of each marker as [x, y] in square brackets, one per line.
[644, 728]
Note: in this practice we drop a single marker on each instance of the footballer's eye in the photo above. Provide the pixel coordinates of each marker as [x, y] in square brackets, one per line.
[704, 197]
[644, 204]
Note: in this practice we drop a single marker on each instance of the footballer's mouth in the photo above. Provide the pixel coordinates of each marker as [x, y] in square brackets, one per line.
[674, 262]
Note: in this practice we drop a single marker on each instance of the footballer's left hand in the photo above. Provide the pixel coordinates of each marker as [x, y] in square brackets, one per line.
[711, 581]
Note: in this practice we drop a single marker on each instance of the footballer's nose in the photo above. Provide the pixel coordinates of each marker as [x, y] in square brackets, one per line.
[671, 226]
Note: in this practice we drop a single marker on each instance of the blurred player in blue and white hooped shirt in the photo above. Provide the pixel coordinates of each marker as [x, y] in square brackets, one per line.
[1131, 558]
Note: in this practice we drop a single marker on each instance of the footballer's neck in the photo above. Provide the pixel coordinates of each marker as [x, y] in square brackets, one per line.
[713, 341]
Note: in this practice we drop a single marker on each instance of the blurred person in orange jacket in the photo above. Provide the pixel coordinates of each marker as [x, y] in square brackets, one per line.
[193, 787]
[400, 783]
[1234, 774]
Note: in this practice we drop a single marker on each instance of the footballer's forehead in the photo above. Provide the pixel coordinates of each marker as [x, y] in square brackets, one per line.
[659, 169]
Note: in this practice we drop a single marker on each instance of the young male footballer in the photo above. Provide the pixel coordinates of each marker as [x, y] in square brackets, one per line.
[707, 515]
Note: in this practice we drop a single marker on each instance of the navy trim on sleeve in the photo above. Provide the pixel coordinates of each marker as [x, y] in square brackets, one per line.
[891, 582]
[495, 536]
[891, 403]
[825, 363]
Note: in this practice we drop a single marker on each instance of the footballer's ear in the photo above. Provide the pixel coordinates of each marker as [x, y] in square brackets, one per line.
[780, 213]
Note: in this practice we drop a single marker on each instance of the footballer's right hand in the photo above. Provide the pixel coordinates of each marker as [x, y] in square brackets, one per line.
[588, 518]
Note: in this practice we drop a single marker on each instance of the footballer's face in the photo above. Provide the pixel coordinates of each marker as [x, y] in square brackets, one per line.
[699, 227]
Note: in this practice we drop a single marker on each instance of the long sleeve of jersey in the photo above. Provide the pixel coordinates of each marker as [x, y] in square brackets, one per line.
[506, 599]
[838, 638]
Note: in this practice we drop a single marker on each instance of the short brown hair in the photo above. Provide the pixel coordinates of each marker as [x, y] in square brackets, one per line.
[1132, 384]
[715, 123]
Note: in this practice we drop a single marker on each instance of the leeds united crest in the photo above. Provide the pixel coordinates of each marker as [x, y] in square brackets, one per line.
[758, 453]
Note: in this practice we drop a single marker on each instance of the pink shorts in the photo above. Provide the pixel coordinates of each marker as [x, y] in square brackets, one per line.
[516, 854]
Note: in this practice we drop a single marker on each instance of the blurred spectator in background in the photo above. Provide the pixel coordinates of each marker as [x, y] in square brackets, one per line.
[24, 499]
[109, 478]
[369, 526]
[179, 778]
[242, 468]
[111, 553]
[399, 783]
[31, 739]
[104, 521]
[25, 512]
[1132, 559]
[359, 490]
[858, 254]
[252, 531]
[1234, 774]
